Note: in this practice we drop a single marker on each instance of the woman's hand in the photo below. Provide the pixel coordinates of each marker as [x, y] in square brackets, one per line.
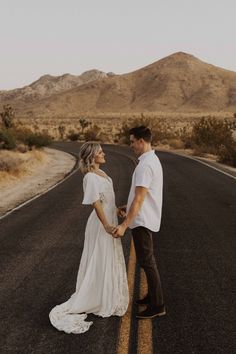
[109, 229]
[119, 230]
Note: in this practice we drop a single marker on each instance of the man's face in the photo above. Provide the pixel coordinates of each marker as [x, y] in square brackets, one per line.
[136, 145]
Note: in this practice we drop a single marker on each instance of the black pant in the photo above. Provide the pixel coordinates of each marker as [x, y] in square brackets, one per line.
[144, 252]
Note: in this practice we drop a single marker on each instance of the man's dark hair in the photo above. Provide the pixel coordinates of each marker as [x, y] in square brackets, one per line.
[141, 132]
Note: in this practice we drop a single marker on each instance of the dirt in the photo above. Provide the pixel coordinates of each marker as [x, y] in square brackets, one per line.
[54, 167]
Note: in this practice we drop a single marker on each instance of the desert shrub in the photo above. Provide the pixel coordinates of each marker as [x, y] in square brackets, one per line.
[176, 143]
[210, 133]
[92, 134]
[37, 140]
[27, 137]
[123, 135]
[185, 136]
[9, 164]
[21, 133]
[227, 154]
[61, 130]
[7, 139]
[7, 116]
[161, 130]
[105, 137]
[73, 136]
[84, 123]
[22, 148]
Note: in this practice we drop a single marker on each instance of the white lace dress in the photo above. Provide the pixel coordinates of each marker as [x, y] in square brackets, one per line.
[101, 286]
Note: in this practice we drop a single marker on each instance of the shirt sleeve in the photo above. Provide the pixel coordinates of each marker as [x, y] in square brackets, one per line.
[91, 189]
[143, 176]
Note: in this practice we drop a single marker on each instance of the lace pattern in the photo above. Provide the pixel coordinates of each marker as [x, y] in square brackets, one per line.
[69, 323]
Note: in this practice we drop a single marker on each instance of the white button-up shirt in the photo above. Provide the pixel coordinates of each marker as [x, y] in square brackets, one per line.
[148, 173]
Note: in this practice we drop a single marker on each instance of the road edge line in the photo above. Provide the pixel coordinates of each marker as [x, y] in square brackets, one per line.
[197, 160]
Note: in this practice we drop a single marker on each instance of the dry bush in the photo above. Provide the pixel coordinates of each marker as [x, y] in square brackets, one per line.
[214, 136]
[10, 162]
[92, 134]
[169, 129]
[73, 136]
[31, 139]
[227, 155]
[176, 143]
[105, 138]
[185, 134]
[161, 129]
[22, 148]
[209, 134]
[7, 139]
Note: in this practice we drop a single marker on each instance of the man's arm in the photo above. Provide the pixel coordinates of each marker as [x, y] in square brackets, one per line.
[140, 194]
[121, 211]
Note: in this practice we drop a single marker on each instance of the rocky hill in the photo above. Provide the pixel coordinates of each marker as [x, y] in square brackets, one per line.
[49, 85]
[177, 83]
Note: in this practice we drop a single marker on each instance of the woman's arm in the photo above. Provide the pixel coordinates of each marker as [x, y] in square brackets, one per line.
[102, 217]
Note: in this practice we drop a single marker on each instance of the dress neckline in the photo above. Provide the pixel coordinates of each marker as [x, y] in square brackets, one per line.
[104, 177]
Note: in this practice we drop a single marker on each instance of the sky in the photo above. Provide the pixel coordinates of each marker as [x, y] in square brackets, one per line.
[71, 36]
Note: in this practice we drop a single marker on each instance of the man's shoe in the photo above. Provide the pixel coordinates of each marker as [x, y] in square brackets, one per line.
[152, 311]
[144, 301]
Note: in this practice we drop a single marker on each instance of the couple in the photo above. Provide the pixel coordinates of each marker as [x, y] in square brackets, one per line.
[101, 286]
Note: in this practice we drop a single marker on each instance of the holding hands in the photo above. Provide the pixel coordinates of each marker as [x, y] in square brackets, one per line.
[109, 229]
[119, 230]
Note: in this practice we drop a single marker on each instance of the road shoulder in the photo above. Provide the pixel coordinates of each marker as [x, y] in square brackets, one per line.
[209, 160]
[53, 169]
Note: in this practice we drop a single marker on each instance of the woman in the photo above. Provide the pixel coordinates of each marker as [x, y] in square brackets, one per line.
[101, 286]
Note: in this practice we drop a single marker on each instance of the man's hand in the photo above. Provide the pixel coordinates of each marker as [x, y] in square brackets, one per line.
[119, 231]
[121, 211]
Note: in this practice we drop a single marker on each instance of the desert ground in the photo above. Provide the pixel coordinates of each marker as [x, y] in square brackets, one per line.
[109, 126]
[39, 170]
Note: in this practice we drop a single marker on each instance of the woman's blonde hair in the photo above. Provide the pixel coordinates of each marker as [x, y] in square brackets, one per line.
[86, 156]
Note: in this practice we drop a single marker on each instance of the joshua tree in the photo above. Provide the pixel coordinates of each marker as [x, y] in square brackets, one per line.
[61, 129]
[84, 124]
[7, 116]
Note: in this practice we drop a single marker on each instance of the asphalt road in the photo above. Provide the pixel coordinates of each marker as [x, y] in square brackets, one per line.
[41, 246]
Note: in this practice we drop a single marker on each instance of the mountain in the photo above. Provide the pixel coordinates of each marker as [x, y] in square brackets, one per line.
[177, 83]
[49, 85]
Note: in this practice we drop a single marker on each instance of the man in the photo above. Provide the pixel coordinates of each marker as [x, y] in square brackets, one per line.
[143, 216]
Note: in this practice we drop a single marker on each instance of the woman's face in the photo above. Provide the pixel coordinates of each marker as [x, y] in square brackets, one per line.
[99, 158]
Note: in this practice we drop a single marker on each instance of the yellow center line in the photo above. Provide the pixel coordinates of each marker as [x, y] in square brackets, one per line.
[124, 335]
[144, 326]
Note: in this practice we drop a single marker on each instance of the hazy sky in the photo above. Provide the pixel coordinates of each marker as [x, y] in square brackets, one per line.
[71, 36]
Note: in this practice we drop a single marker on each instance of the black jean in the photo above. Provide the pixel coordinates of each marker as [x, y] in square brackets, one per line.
[143, 244]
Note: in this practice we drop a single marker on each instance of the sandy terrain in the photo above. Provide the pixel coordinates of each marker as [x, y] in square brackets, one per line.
[51, 169]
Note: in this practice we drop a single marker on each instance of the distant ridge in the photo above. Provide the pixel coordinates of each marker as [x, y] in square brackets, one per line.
[177, 83]
[48, 85]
